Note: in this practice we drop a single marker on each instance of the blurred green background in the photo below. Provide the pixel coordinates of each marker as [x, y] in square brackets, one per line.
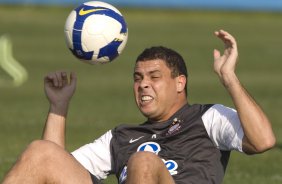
[104, 95]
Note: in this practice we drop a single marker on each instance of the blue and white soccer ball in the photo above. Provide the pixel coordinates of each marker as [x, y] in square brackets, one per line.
[96, 32]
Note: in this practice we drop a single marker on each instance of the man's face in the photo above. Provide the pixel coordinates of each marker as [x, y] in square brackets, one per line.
[155, 90]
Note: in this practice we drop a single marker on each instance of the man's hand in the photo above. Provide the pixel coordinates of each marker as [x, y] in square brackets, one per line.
[224, 65]
[258, 134]
[59, 91]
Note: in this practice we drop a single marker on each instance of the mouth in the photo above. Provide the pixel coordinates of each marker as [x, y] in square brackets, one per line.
[146, 99]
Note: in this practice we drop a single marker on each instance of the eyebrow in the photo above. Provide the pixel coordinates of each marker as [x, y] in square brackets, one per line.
[150, 72]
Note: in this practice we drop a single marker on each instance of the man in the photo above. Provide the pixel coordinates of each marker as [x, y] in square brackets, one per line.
[179, 142]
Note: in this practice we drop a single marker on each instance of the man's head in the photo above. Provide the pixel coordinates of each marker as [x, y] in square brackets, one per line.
[172, 59]
[160, 82]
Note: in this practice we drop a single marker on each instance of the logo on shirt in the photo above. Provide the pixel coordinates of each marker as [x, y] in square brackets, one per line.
[154, 136]
[150, 147]
[174, 127]
[123, 175]
[134, 140]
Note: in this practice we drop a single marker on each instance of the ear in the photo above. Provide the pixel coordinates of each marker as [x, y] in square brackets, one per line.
[181, 82]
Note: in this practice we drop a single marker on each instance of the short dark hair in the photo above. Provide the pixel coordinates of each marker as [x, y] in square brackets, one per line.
[173, 60]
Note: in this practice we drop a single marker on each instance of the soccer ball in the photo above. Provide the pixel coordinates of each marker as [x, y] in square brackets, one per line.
[96, 32]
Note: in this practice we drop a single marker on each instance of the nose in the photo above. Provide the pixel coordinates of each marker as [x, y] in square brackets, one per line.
[145, 83]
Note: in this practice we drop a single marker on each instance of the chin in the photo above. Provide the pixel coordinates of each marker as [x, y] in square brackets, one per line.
[147, 111]
[147, 114]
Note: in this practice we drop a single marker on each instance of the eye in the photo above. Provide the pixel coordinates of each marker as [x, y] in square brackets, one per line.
[137, 78]
[155, 77]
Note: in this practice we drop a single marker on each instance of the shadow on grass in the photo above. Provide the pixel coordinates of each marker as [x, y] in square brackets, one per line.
[279, 145]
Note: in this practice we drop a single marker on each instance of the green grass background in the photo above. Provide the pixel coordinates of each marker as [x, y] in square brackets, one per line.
[104, 96]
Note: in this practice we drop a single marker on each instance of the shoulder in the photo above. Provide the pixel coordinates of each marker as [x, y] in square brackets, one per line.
[223, 127]
[197, 109]
[218, 111]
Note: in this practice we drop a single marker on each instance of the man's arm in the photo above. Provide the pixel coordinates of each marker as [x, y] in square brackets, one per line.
[258, 134]
[59, 92]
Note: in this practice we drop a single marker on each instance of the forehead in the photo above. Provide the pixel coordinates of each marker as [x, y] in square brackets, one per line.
[151, 65]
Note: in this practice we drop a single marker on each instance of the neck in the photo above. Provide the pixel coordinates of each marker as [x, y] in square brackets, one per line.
[167, 116]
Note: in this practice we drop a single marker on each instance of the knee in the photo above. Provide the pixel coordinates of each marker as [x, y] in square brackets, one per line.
[37, 152]
[144, 161]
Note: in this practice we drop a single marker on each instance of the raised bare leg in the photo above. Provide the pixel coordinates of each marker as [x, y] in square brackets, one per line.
[46, 162]
[147, 168]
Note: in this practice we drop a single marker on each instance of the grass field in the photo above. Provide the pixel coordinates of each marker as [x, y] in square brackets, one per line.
[104, 95]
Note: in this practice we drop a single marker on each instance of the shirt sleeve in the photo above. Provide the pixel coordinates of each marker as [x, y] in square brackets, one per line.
[224, 127]
[96, 156]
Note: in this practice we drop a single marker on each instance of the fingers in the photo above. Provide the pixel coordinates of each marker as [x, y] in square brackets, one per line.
[73, 79]
[64, 78]
[216, 54]
[227, 38]
[59, 79]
